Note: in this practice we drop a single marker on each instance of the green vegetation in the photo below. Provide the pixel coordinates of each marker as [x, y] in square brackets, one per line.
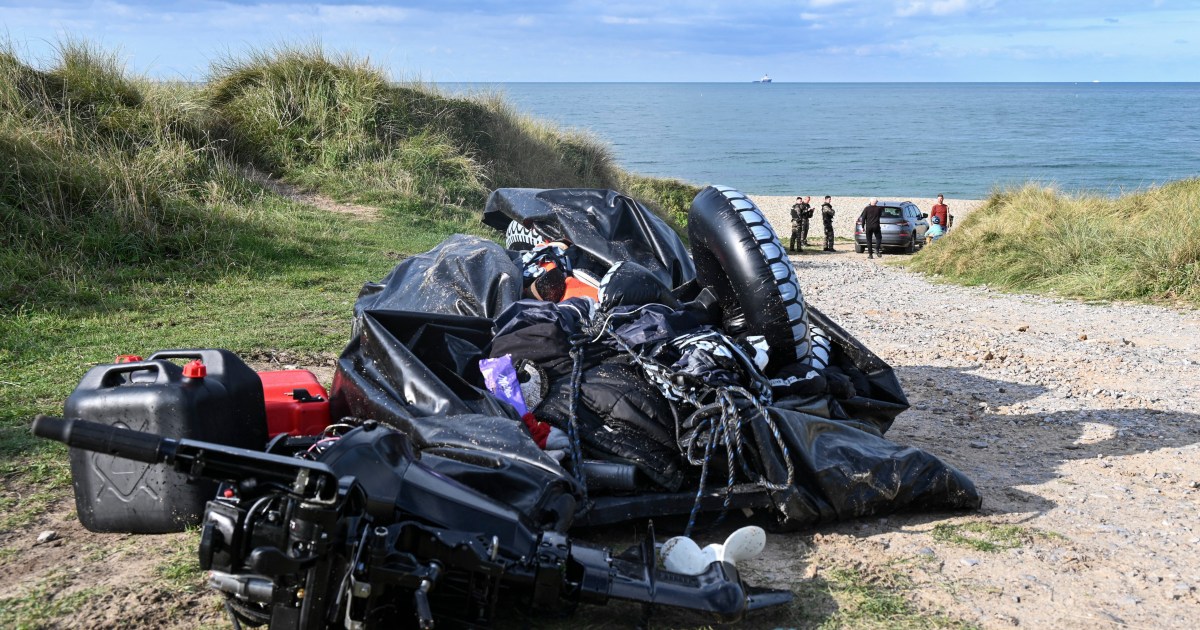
[670, 197]
[1139, 246]
[859, 597]
[133, 219]
[987, 537]
[180, 570]
[337, 124]
[43, 602]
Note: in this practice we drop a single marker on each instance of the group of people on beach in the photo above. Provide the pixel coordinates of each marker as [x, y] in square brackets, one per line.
[802, 214]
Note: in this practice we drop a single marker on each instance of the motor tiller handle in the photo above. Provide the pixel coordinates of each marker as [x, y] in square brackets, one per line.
[102, 438]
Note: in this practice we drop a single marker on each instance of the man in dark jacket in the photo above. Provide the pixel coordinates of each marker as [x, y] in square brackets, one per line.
[806, 220]
[800, 213]
[827, 220]
[870, 226]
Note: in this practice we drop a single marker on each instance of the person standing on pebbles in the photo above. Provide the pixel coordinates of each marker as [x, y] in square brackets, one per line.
[799, 228]
[806, 221]
[827, 221]
[870, 225]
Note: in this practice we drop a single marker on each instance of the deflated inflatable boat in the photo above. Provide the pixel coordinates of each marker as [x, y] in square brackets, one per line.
[653, 379]
[593, 370]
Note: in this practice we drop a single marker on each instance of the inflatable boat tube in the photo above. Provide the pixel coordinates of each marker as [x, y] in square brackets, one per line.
[519, 237]
[739, 257]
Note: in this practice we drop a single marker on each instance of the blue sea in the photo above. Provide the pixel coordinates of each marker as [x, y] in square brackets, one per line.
[905, 139]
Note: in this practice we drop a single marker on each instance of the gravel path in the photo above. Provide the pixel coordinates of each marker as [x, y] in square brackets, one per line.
[1076, 421]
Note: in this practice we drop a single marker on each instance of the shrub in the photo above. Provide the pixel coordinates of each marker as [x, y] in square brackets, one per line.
[1141, 245]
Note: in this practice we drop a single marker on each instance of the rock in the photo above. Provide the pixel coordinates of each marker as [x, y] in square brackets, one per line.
[1083, 337]
[925, 551]
[970, 562]
[1022, 328]
[988, 356]
[978, 444]
[47, 536]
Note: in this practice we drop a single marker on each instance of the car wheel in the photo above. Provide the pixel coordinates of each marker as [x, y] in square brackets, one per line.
[858, 249]
[912, 244]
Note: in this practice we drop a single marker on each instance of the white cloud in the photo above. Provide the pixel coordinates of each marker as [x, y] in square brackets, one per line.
[817, 4]
[912, 8]
[897, 49]
[612, 19]
[358, 14]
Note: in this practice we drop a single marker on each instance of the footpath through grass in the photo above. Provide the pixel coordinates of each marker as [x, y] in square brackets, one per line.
[1141, 246]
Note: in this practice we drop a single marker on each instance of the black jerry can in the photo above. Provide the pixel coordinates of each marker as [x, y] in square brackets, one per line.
[245, 390]
[189, 402]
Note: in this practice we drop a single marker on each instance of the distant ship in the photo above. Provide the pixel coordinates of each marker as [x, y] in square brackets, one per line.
[764, 79]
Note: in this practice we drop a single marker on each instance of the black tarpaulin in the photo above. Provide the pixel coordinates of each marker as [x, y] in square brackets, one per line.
[419, 372]
[879, 396]
[607, 226]
[420, 333]
[464, 275]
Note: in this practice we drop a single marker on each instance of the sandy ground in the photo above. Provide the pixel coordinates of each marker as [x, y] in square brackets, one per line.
[1076, 421]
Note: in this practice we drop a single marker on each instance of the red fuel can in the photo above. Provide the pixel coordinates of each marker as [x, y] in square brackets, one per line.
[296, 402]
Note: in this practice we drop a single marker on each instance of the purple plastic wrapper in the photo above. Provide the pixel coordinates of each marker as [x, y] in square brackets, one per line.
[501, 379]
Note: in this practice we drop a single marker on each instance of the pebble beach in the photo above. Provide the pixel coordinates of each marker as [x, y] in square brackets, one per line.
[777, 210]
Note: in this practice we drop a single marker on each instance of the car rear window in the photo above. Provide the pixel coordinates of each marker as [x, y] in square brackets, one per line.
[890, 212]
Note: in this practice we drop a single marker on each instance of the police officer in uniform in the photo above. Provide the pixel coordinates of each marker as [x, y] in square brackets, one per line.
[827, 220]
[799, 225]
[806, 220]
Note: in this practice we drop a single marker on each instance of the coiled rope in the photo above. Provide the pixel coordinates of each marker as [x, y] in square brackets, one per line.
[714, 423]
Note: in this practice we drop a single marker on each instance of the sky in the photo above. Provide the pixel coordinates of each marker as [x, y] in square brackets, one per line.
[645, 40]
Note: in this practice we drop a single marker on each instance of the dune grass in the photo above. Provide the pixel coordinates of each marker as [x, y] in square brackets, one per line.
[1143, 245]
[131, 220]
[105, 179]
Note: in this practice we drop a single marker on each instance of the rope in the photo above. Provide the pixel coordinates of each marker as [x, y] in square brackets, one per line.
[717, 417]
[721, 422]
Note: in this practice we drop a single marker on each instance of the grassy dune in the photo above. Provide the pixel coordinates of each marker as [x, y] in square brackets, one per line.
[1139, 246]
[108, 179]
[131, 220]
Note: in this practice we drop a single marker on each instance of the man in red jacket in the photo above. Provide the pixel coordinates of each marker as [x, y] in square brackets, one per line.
[942, 212]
